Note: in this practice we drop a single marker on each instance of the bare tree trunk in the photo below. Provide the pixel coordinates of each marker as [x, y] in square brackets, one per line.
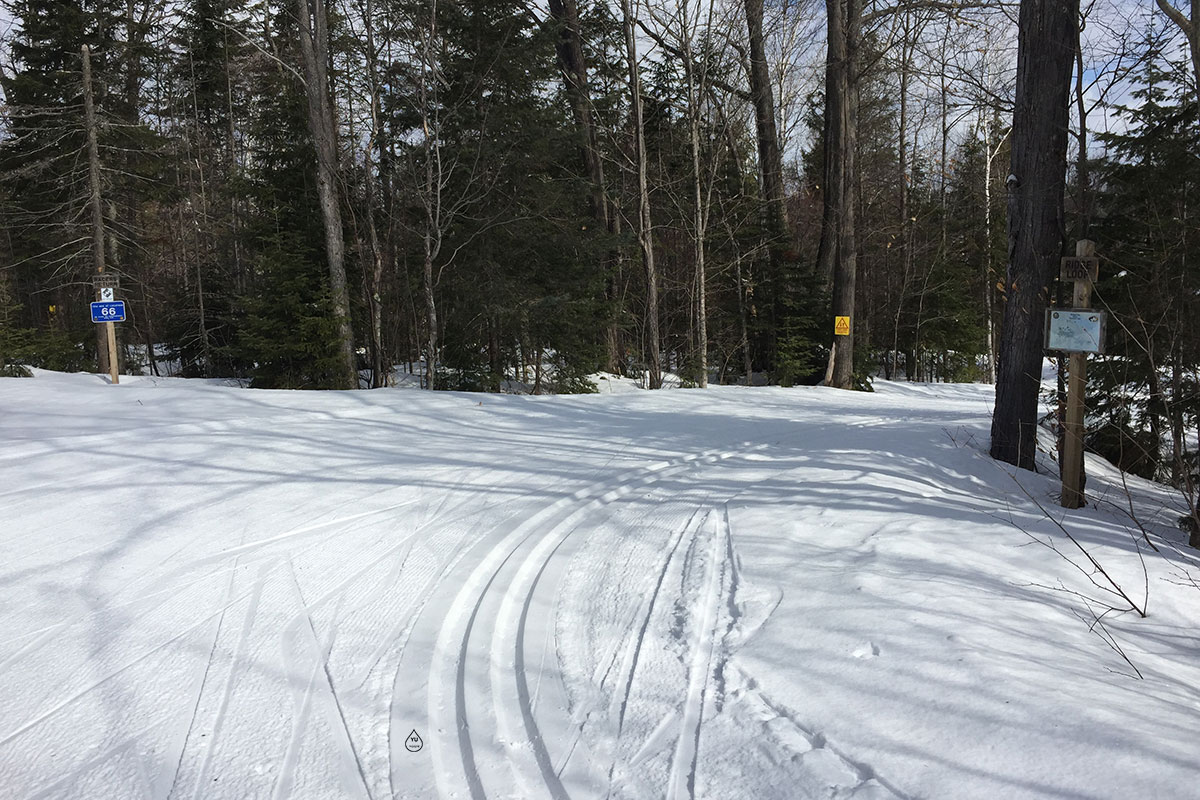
[205, 343]
[907, 43]
[432, 199]
[841, 116]
[902, 164]
[831, 191]
[1046, 52]
[233, 166]
[645, 230]
[96, 203]
[770, 158]
[1178, 465]
[699, 213]
[314, 48]
[1083, 171]
[431, 321]
[575, 79]
[379, 370]
[616, 287]
[944, 108]
[743, 321]
[989, 290]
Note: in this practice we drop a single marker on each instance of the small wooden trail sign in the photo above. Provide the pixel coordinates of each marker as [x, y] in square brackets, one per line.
[1080, 268]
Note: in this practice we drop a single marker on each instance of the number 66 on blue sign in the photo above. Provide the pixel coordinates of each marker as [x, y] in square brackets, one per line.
[113, 311]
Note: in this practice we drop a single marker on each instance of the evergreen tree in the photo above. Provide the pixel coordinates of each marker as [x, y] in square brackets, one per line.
[289, 335]
[1149, 236]
[207, 98]
[42, 178]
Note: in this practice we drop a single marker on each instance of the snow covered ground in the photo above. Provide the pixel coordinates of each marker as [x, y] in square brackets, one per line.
[214, 592]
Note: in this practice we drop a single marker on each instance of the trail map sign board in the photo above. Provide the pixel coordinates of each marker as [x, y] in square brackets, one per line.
[1076, 330]
[841, 326]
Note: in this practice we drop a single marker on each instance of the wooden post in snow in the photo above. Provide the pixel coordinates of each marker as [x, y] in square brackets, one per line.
[1073, 475]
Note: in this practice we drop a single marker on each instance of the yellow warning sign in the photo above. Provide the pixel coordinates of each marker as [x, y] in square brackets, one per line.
[841, 326]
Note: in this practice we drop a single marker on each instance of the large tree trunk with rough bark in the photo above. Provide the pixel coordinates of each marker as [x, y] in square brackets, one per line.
[1045, 55]
[95, 204]
[839, 247]
[314, 49]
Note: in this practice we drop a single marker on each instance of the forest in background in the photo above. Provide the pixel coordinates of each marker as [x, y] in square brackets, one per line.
[304, 194]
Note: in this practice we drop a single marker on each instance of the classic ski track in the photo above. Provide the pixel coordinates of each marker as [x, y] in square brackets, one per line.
[682, 783]
[633, 648]
[509, 682]
[453, 650]
[635, 637]
[710, 658]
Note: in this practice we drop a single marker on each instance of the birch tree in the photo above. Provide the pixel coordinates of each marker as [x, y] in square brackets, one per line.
[1188, 24]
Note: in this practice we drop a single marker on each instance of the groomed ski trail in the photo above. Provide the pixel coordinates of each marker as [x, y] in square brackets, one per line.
[489, 664]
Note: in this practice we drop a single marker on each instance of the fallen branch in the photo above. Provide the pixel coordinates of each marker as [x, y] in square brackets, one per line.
[1113, 586]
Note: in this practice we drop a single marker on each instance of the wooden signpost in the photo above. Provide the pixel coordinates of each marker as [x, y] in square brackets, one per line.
[107, 310]
[1082, 270]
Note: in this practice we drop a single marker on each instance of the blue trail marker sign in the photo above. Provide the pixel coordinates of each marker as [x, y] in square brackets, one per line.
[113, 311]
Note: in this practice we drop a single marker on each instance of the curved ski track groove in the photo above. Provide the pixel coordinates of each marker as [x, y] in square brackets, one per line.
[453, 723]
[682, 784]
